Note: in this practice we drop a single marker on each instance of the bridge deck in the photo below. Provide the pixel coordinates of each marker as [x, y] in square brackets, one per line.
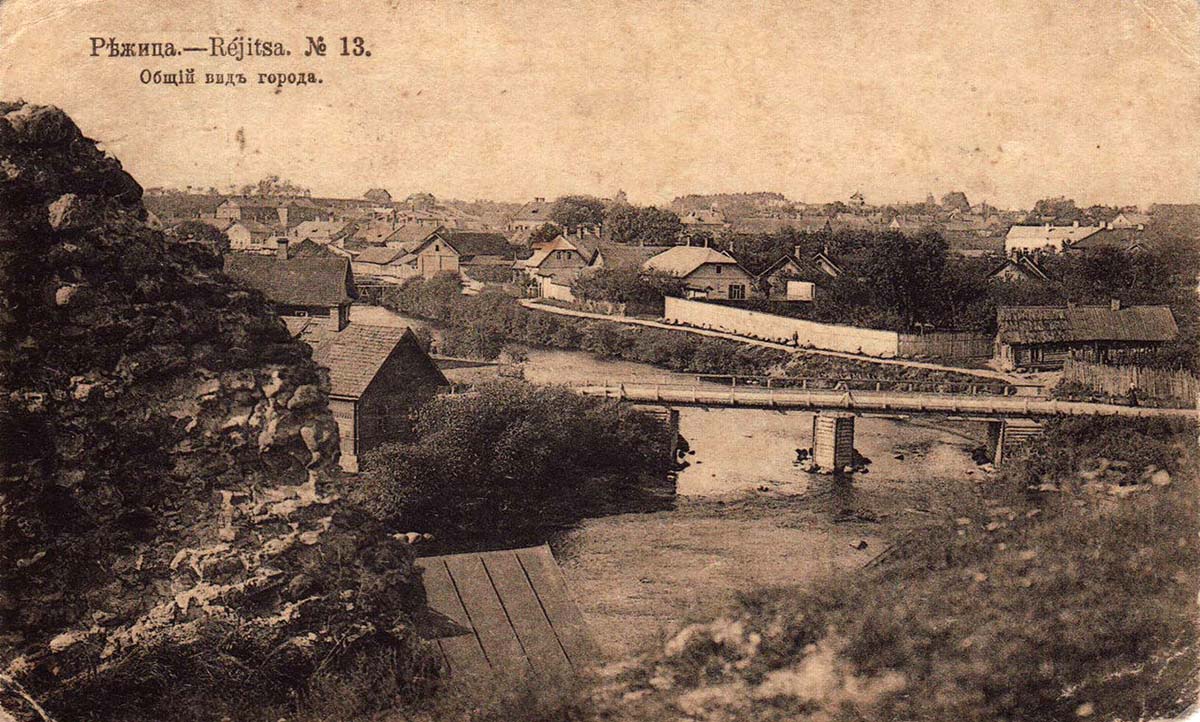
[886, 401]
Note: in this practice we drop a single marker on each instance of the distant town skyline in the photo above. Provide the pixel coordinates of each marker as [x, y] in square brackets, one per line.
[1095, 101]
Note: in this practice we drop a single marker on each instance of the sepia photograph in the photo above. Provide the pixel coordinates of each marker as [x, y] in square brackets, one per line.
[623, 361]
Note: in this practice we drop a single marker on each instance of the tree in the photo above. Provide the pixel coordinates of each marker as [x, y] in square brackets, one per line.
[273, 185]
[201, 233]
[956, 201]
[642, 292]
[574, 212]
[544, 233]
[648, 226]
[1060, 209]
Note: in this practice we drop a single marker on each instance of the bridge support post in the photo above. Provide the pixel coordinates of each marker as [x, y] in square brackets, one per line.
[833, 440]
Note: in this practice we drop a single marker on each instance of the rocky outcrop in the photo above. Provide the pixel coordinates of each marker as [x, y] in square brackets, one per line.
[171, 528]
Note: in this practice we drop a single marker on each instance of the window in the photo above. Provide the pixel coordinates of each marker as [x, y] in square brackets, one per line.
[718, 270]
[737, 291]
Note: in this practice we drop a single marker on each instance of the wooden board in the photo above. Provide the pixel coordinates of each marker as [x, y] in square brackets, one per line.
[545, 576]
[515, 604]
[528, 617]
[492, 625]
[463, 653]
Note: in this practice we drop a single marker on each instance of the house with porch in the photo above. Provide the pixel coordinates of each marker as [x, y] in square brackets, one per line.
[1043, 337]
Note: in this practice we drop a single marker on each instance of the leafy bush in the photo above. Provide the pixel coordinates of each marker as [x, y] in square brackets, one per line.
[510, 460]
[641, 292]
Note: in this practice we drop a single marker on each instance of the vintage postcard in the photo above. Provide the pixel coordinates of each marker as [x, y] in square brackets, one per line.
[548, 361]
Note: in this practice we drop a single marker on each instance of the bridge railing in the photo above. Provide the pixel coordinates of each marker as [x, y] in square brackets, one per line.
[972, 387]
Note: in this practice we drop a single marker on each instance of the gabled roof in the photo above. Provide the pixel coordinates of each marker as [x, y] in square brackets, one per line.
[620, 255]
[381, 255]
[802, 269]
[1023, 264]
[1057, 324]
[1044, 235]
[535, 210]
[684, 260]
[479, 243]
[822, 257]
[559, 243]
[305, 281]
[410, 233]
[255, 228]
[1123, 239]
[321, 230]
[310, 248]
[355, 354]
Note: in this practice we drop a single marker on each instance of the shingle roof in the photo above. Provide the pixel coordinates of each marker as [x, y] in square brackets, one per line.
[408, 233]
[479, 243]
[683, 260]
[1051, 324]
[355, 354]
[381, 255]
[1120, 238]
[620, 255]
[305, 281]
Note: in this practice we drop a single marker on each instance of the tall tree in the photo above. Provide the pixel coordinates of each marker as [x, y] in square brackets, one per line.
[573, 212]
[648, 226]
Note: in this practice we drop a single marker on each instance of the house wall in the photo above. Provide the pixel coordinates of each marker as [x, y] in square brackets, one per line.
[391, 270]
[884, 344]
[719, 277]
[547, 288]
[344, 414]
[407, 378]
[436, 258]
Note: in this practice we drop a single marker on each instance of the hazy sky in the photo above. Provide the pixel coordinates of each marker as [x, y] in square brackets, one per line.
[1008, 101]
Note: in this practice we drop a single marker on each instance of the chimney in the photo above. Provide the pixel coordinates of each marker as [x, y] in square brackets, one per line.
[281, 246]
[796, 251]
[1115, 304]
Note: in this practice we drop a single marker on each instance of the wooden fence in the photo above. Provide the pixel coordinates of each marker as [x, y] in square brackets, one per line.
[1150, 383]
[945, 345]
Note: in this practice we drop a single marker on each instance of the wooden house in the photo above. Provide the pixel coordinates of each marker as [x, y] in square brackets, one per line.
[1018, 268]
[1043, 337]
[790, 279]
[709, 273]
[302, 287]
[377, 375]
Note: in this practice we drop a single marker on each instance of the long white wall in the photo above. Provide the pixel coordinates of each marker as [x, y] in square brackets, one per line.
[884, 344]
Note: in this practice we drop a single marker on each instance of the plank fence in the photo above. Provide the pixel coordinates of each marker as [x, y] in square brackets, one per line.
[1150, 383]
[947, 345]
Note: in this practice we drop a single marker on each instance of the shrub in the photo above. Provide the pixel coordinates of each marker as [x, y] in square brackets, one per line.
[509, 460]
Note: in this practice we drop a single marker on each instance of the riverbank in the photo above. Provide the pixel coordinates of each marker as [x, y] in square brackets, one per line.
[989, 374]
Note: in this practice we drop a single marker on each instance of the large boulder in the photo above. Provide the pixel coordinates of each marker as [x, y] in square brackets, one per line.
[171, 527]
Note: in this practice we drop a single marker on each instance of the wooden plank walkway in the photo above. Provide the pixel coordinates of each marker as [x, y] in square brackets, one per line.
[505, 613]
[887, 401]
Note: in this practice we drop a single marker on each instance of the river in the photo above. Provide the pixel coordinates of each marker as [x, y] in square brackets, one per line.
[744, 449]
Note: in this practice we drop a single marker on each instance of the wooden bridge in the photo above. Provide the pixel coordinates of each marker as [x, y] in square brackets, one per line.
[982, 405]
